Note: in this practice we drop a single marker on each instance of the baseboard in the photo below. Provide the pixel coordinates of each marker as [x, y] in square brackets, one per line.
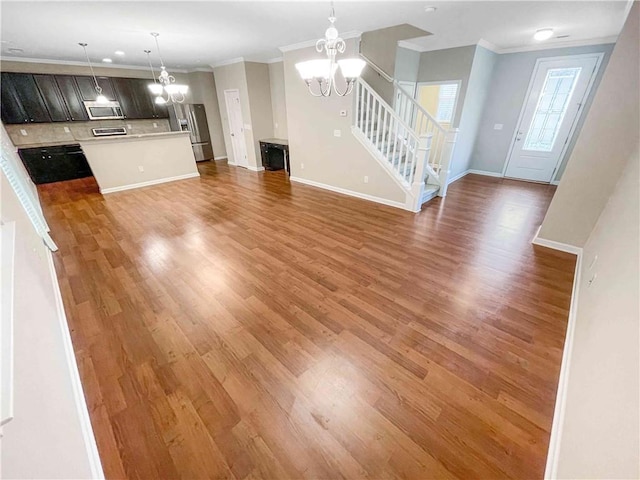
[563, 247]
[255, 169]
[78, 393]
[555, 182]
[553, 455]
[485, 173]
[104, 191]
[350, 193]
[220, 158]
[233, 164]
[458, 177]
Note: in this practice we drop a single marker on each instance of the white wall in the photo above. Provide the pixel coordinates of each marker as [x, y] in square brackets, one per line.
[507, 92]
[316, 154]
[46, 439]
[608, 137]
[278, 101]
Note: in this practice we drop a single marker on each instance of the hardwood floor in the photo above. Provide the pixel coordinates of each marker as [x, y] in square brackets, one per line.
[239, 326]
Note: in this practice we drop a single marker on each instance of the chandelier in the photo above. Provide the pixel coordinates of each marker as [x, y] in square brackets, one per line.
[322, 71]
[100, 98]
[165, 89]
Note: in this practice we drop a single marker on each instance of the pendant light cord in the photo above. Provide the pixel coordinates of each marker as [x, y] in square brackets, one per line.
[156, 35]
[93, 74]
[153, 73]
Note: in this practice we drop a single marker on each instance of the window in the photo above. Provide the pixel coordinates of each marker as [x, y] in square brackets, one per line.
[447, 102]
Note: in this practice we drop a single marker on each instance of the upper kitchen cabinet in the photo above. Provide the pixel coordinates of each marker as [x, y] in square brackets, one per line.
[87, 88]
[136, 99]
[53, 98]
[21, 99]
[72, 97]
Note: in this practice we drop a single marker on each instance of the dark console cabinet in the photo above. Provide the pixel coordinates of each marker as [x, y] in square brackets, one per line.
[55, 164]
[275, 154]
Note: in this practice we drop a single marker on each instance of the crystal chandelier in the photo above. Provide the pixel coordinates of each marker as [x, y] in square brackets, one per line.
[166, 89]
[322, 71]
[100, 98]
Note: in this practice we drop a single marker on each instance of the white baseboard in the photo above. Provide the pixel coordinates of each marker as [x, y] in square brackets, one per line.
[553, 455]
[350, 193]
[255, 169]
[148, 184]
[78, 393]
[563, 247]
[458, 177]
[555, 182]
[485, 173]
[233, 164]
[220, 158]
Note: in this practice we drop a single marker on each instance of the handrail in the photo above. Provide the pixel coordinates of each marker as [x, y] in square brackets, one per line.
[388, 107]
[384, 74]
[419, 107]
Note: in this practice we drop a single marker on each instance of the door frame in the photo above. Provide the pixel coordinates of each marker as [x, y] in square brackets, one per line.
[440, 82]
[226, 103]
[598, 56]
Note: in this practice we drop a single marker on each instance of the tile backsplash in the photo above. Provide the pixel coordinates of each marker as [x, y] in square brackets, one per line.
[43, 134]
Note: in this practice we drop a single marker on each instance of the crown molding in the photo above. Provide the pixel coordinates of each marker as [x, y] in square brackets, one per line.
[81, 64]
[409, 46]
[312, 43]
[231, 61]
[275, 60]
[201, 69]
[551, 46]
[488, 45]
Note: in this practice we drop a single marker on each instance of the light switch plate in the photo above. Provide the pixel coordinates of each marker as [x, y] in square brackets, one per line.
[67, 130]
[337, 133]
[130, 127]
[247, 126]
[155, 125]
[23, 132]
[498, 126]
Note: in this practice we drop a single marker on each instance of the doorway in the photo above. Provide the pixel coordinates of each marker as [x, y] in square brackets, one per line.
[236, 127]
[440, 99]
[557, 92]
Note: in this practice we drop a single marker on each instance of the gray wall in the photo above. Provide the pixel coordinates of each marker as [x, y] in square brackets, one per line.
[505, 99]
[203, 90]
[474, 101]
[407, 65]
[448, 64]
[278, 103]
[259, 89]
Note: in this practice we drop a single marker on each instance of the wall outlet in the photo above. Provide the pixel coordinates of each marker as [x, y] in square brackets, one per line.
[276, 125]
[337, 133]
[343, 113]
[498, 126]
[302, 166]
[247, 126]
[130, 127]
[67, 130]
[366, 179]
[23, 132]
[155, 125]
[140, 168]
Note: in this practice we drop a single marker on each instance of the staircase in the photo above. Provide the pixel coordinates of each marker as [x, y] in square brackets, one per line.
[408, 142]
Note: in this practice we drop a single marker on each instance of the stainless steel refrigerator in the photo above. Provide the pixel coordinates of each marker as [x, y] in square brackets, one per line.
[192, 118]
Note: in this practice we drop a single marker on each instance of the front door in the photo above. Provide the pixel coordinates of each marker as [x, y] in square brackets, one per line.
[557, 94]
[236, 127]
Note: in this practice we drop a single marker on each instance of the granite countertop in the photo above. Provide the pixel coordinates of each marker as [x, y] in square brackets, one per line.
[124, 138]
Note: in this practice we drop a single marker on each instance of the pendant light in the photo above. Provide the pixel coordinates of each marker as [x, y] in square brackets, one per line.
[155, 87]
[323, 71]
[100, 98]
[175, 93]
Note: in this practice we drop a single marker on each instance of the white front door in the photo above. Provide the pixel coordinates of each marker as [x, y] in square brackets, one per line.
[558, 89]
[236, 127]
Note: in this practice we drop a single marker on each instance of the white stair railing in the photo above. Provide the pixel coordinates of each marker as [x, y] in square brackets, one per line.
[422, 123]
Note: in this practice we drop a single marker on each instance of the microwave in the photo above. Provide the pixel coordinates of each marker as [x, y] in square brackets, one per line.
[103, 110]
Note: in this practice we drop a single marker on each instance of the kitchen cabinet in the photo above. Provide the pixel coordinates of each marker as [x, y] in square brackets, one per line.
[22, 100]
[124, 91]
[87, 88]
[136, 99]
[55, 164]
[72, 98]
[53, 98]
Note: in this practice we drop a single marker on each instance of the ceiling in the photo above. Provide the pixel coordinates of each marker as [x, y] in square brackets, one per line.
[196, 35]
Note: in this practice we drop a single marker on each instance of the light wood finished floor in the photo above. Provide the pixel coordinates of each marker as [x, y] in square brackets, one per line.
[239, 326]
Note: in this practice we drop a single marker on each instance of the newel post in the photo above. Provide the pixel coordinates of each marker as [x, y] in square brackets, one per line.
[447, 154]
[422, 157]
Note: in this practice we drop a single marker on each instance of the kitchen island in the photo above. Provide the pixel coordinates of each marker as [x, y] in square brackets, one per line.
[133, 161]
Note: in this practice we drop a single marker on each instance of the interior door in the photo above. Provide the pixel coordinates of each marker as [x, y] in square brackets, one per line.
[236, 129]
[558, 90]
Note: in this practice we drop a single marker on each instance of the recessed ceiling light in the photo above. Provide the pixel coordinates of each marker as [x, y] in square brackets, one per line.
[119, 52]
[15, 50]
[563, 36]
[430, 9]
[107, 60]
[543, 34]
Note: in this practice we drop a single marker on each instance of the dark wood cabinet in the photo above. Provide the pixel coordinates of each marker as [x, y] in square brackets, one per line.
[53, 98]
[87, 88]
[72, 97]
[124, 91]
[136, 99]
[22, 99]
[55, 164]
